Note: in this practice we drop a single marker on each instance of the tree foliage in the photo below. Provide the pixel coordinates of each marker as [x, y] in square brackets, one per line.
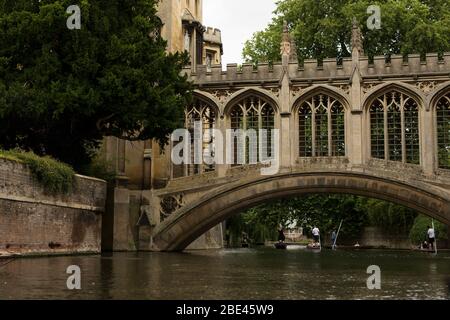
[390, 217]
[418, 233]
[322, 28]
[56, 177]
[326, 212]
[62, 90]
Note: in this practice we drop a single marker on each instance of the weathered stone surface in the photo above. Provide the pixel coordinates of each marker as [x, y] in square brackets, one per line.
[35, 222]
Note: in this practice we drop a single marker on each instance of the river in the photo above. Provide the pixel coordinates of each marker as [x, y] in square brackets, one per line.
[231, 274]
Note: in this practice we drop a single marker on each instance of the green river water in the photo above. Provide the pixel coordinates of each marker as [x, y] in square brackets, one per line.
[263, 273]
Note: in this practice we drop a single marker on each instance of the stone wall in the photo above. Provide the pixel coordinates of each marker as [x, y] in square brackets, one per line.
[377, 238]
[33, 222]
[212, 239]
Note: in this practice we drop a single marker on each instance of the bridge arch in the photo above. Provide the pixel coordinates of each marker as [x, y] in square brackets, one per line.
[191, 221]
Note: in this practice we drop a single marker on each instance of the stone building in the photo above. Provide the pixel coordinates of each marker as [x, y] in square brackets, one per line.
[143, 165]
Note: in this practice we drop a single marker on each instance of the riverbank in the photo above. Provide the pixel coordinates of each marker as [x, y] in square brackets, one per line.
[270, 244]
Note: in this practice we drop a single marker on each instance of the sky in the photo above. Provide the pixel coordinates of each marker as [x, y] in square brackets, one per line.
[238, 20]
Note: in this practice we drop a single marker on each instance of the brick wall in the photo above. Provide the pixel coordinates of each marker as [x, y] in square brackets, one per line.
[35, 222]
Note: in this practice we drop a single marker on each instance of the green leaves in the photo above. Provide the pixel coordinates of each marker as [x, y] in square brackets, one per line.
[418, 233]
[56, 177]
[63, 90]
[326, 212]
[322, 29]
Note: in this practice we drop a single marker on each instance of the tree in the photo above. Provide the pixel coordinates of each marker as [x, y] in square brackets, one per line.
[322, 28]
[388, 216]
[418, 232]
[325, 211]
[62, 91]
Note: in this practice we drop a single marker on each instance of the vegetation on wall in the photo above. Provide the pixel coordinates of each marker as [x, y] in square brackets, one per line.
[56, 177]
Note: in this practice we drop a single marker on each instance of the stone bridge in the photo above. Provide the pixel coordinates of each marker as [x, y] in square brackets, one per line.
[373, 127]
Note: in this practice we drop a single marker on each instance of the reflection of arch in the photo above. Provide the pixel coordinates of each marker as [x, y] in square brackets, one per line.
[320, 89]
[245, 93]
[184, 226]
[404, 88]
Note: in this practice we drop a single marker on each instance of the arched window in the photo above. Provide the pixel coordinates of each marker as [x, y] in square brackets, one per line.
[337, 130]
[268, 123]
[204, 114]
[321, 125]
[443, 131]
[252, 114]
[377, 129]
[394, 128]
[321, 122]
[237, 122]
[209, 124]
[305, 131]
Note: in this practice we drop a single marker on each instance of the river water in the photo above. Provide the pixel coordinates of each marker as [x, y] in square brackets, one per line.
[231, 274]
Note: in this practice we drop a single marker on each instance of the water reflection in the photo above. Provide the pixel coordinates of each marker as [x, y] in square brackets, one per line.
[231, 274]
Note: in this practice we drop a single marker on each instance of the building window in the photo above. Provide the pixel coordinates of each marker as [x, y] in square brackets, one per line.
[337, 130]
[252, 113]
[237, 122]
[305, 131]
[210, 60]
[394, 128]
[377, 129]
[268, 123]
[206, 115]
[443, 131]
[321, 125]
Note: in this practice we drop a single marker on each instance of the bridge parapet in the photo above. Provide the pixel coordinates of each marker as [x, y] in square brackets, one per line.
[235, 73]
[328, 69]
